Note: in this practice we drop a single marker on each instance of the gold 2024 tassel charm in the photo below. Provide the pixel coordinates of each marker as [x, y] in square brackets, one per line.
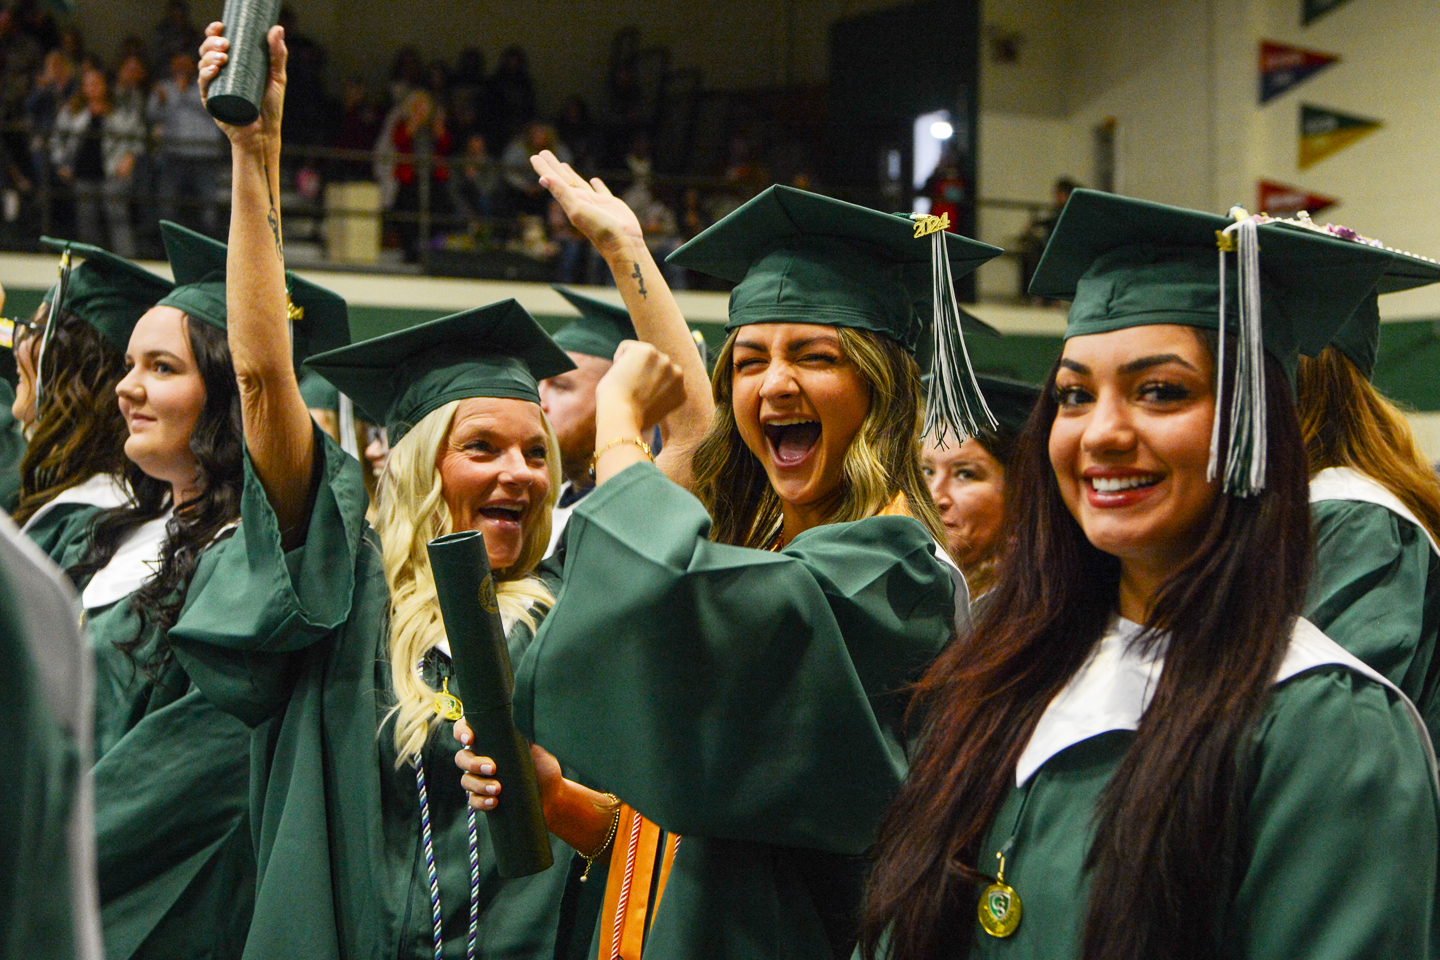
[1000, 906]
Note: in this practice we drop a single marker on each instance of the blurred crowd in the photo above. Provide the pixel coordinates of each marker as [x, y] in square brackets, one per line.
[92, 148]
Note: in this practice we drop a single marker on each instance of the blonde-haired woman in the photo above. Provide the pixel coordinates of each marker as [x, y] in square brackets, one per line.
[358, 812]
[1376, 508]
[414, 511]
[739, 682]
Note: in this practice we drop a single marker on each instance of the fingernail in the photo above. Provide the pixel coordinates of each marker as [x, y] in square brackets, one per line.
[492, 788]
[487, 769]
[488, 802]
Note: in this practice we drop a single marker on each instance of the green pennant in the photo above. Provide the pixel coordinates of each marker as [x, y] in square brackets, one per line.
[1323, 132]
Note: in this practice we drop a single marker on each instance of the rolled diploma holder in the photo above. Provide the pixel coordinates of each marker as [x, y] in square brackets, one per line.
[483, 682]
[237, 90]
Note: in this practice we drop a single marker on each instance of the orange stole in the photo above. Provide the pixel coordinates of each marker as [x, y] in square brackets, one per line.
[640, 863]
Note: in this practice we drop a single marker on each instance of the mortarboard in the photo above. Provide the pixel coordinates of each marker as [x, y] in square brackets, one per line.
[396, 379]
[1129, 263]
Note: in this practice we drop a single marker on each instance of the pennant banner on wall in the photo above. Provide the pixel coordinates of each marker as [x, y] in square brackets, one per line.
[1323, 132]
[1315, 9]
[1283, 200]
[1283, 66]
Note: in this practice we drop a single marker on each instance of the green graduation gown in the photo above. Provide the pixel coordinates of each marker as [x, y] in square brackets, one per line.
[1338, 843]
[747, 700]
[296, 644]
[12, 449]
[48, 909]
[176, 864]
[1376, 586]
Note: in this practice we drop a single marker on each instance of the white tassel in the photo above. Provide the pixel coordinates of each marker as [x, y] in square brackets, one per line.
[348, 442]
[1245, 453]
[954, 404]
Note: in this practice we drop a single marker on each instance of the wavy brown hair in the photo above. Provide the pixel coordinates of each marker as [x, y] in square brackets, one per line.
[79, 431]
[883, 460]
[218, 444]
[1346, 422]
[1167, 827]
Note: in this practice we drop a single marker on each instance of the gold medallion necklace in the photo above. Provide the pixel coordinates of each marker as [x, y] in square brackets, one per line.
[1000, 909]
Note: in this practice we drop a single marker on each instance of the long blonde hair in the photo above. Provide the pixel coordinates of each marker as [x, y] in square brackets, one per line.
[412, 512]
[883, 460]
[1346, 422]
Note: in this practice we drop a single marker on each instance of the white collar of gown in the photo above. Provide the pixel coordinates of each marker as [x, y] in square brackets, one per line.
[136, 560]
[1113, 688]
[101, 490]
[1345, 483]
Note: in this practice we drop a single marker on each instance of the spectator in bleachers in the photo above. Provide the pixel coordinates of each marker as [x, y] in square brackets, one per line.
[358, 127]
[476, 183]
[578, 132]
[307, 112]
[20, 58]
[55, 84]
[126, 148]
[407, 74]
[525, 195]
[512, 93]
[420, 140]
[90, 146]
[187, 151]
[175, 33]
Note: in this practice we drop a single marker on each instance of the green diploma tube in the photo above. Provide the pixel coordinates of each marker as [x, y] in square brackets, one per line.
[483, 682]
[239, 87]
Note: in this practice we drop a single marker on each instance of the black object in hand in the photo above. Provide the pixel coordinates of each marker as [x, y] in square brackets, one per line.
[483, 681]
[238, 89]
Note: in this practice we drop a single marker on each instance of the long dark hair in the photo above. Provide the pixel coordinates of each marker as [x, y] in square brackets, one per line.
[79, 431]
[218, 445]
[1166, 827]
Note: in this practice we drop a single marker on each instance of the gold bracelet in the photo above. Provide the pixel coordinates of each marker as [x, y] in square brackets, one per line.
[590, 858]
[644, 448]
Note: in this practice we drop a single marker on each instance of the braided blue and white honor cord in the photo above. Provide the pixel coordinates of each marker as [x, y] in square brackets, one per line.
[434, 877]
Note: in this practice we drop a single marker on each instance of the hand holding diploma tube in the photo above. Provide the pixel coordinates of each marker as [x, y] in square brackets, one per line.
[466, 593]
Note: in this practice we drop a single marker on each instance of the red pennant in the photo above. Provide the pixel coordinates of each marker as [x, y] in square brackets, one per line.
[1283, 200]
[1283, 66]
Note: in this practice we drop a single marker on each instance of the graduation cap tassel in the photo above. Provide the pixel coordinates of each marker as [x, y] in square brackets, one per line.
[1245, 455]
[954, 404]
[348, 443]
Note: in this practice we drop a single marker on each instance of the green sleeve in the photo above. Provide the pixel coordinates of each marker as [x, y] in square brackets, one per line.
[251, 603]
[729, 692]
[1369, 590]
[64, 535]
[1342, 831]
[42, 770]
[12, 450]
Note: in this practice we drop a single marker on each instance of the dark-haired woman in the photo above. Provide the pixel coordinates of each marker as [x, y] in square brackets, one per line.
[730, 663]
[76, 457]
[176, 861]
[1142, 751]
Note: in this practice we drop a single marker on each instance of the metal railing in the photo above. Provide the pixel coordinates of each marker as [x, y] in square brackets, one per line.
[46, 208]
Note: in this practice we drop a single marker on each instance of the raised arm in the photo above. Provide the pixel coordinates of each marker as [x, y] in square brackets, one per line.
[615, 232]
[278, 431]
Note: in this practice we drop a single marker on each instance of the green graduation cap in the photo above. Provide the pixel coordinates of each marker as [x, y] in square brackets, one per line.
[396, 379]
[1010, 400]
[198, 263]
[601, 327]
[319, 393]
[798, 257]
[1359, 338]
[1128, 263]
[320, 318]
[107, 291]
